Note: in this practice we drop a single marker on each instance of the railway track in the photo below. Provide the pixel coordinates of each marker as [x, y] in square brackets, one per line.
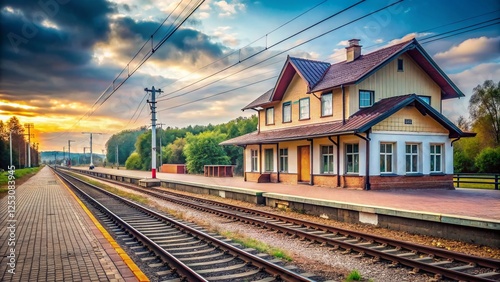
[180, 251]
[440, 262]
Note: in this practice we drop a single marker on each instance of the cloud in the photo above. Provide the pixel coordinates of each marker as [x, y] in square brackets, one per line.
[466, 81]
[407, 37]
[229, 9]
[227, 38]
[470, 52]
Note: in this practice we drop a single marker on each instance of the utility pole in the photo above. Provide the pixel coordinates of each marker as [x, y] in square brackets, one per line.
[64, 154]
[29, 126]
[69, 151]
[10, 146]
[152, 105]
[91, 166]
[55, 158]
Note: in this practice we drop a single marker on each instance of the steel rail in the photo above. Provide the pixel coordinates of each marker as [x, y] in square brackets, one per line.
[183, 270]
[278, 272]
[431, 252]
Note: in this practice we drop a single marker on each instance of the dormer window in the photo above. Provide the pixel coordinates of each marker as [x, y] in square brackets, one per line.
[400, 65]
[269, 116]
[366, 98]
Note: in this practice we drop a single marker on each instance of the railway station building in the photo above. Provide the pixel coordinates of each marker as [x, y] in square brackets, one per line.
[373, 121]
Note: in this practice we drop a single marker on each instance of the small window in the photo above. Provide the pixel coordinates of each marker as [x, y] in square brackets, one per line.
[386, 158]
[269, 116]
[268, 160]
[412, 156]
[327, 159]
[287, 112]
[366, 98]
[400, 65]
[304, 108]
[326, 104]
[352, 158]
[254, 159]
[436, 158]
[284, 160]
[426, 99]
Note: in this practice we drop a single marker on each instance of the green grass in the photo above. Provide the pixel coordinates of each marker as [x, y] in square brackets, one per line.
[19, 174]
[485, 183]
[353, 276]
[255, 244]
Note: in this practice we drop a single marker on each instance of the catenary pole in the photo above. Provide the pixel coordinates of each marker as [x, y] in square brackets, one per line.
[152, 104]
[91, 166]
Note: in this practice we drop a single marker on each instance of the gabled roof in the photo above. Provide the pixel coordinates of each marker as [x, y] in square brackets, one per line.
[321, 76]
[345, 73]
[262, 100]
[359, 122]
[311, 71]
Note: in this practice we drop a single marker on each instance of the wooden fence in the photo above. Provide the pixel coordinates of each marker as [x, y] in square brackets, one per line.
[477, 179]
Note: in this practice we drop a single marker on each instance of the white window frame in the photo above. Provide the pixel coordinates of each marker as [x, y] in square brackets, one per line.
[329, 163]
[283, 159]
[302, 113]
[326, 105]
[355, 156]
[434, 156]
[254, 160]
[384, 155]
[414, 156]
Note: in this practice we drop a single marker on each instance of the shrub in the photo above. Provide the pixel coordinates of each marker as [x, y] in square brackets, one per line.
[488, 161]
[133, 161]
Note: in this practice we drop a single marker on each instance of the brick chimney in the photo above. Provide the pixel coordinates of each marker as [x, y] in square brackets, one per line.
[354, 50]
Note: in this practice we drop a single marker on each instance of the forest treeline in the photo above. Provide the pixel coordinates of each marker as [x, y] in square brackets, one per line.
[13, 127]
[194, 146]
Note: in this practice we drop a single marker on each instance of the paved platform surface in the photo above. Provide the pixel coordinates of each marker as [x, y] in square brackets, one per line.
[475, 203]
[54, 239]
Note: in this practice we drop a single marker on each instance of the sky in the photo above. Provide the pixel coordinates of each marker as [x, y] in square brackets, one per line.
[60, 59]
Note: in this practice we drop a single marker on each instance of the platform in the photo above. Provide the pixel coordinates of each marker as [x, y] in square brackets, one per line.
[55, 239]
[470, 215]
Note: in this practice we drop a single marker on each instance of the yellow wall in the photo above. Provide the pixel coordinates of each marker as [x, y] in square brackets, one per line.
[388, 82]
[420, 123]
[296, 91]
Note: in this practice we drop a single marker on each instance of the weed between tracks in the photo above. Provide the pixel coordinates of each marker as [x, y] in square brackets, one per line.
[255, 244]
[121, 193]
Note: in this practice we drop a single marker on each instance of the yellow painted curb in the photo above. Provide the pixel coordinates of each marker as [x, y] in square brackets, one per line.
[126, 259]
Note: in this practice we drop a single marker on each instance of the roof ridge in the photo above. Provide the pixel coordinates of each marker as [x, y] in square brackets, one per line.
[378, 50]
[304, 59]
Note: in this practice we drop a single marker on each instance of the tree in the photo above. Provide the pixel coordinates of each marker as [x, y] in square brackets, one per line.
[484, 109]
[174, 152]
[203, 149]
[133, 161]
[489, 160]
[125, 141]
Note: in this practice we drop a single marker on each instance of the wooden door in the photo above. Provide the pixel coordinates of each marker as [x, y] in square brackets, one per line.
[304, 164]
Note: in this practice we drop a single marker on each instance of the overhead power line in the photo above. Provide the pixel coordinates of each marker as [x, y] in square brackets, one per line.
[281, 52]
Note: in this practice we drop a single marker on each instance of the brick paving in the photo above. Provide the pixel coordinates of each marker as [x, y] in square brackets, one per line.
[477, 203]
[55, 239]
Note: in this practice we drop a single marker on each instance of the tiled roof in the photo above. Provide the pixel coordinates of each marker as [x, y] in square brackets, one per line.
[321, 76]
[349, 72]
[359, 122]
[312, 71]
[263, 99]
